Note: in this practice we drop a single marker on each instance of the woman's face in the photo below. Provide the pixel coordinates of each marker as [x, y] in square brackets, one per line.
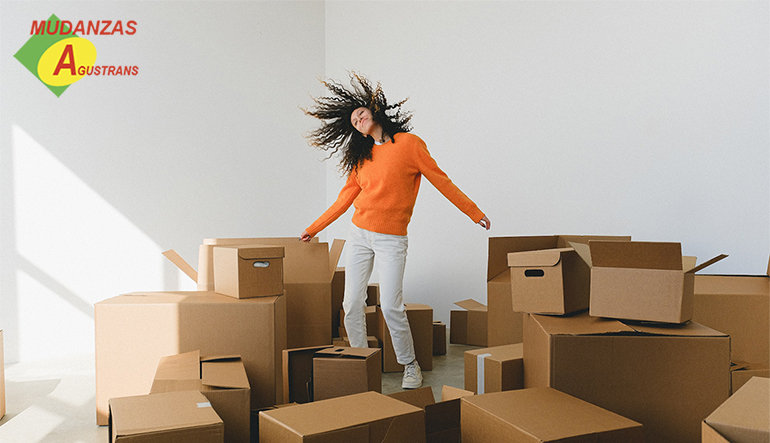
[361, 119]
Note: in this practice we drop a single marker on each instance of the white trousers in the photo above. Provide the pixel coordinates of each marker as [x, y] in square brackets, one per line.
[363, 249]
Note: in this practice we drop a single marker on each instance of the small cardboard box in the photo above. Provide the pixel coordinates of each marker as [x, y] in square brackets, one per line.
[345, 371]
[439, 338]
[421, 324]
[298, 374]
[368, 417]
[505, 325]
[468, 327]
[742, 373]
[745, 416]
[542, 415]
[185, 416]
[442, 419]
[549, 281]
[495, 369]
[133, 332]
[222, 380]
[667, 377]
[248, 271]
[643, 281]
[2, 377]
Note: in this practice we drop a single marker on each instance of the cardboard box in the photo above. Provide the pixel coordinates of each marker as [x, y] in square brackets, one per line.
[248, 271]
[308, 270]
[421, 324]
[542, 415]
[740, 375]
[495, 369]
[222, 380]
[468, 327]
[372, 321]
[345, 371]
[439, 338]
[133, 332]
[338, 293]
[185, 416]
[745, 416]
[669, 377]
[646, 281]
[371, 342]
[442, 419]
[373, 294]
[368, 417]
[549, 281]
[505, 325]
[2, 377]
[298, 374]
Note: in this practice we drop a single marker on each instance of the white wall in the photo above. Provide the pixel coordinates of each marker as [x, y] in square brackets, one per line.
[643, 118]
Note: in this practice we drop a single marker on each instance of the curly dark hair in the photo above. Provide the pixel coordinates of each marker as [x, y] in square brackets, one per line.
[338, 134]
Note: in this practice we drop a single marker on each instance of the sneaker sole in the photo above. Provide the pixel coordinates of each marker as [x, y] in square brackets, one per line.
[411, 385]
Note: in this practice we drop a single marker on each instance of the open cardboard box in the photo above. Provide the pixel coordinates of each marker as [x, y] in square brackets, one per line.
[298, 374]
[742, 418]
[442, 419]
[469, 326]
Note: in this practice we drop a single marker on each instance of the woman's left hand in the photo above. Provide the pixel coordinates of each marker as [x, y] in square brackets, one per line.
[485, 223]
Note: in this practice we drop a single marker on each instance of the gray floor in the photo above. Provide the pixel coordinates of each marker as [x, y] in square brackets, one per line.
[54, 400]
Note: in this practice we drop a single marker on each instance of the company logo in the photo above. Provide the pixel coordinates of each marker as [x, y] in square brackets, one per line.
[58, 56]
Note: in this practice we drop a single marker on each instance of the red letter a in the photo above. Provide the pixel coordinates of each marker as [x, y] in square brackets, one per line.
[70, 65]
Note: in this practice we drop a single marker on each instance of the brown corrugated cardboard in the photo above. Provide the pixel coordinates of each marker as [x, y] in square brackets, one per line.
[442, 419]
[134, 331]
[542, 415]
[338, 293]
[739, 376]
[2, 377]
[421, 324]
[185, 416]
[308, 270]
[373, 294]
[505, 325]
[248, 271]
[642, 281]
[222, 380]
[439, 338]
[669, 377]
[709, 435]
[371, 341]
[468, 327]
[345, 371]
[502, 368]
[298, 374]
[745, 416]
[369, 417]
[549, 281]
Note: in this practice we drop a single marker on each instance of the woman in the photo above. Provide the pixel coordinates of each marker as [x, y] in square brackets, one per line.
[383, 163]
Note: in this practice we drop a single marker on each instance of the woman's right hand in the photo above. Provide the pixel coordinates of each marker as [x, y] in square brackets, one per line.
[305, 237]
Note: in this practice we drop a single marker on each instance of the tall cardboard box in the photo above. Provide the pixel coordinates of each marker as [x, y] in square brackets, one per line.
[185, 416]
[338, 293]
[2, 377]
[308, 271]
[495, 369]
[222, 380]
[505, 325]
[442, 419]
[439, 338]
[345, 371]
[742, 418]
[421, 324]
[468, 327]
[133, 332]
[645, 281]
[669, 378]
[542, 415]
[248, 271]
[369, 417]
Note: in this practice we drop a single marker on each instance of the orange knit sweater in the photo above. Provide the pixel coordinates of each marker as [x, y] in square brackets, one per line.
[384, 189]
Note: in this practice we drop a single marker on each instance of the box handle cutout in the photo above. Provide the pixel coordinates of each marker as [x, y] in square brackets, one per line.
[261, 264]
[534, 273]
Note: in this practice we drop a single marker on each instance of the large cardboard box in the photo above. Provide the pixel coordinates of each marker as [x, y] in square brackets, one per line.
[645, 281]
[505, 325]
[308, 270]
[133, 332]
[2, 377]
[248, 271]
[368, 417]
[345, 371]
[669, 377]
[744, 417]
[298, 374]
[421, 324]
[468, 327]
[439, 338]
[542, 415]
[549, 281]
[222, 380]
[495, 369]
[442, 419]
[185, 416]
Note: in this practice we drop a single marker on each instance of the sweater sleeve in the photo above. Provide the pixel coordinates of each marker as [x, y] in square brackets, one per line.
[348, 193]
[438, 178]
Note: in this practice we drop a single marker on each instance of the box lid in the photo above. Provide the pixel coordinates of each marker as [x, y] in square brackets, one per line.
[346, 352]
[224, 372]
[540, 258]
[420, 397]
[452, 393]
[636, 254]
[583, 324]
[216, 372]
[471, 305]
[745, 416]
[161, 412]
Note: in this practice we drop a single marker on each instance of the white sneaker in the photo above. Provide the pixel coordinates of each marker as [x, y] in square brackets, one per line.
[412, 376]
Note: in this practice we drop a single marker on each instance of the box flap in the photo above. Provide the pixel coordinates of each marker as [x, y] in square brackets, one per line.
[636, 254]
[420, 397]
[221, 358]
[335, 253]
[471, 305]
[707, 263]
[179, 367]
[689, 262]
[541, 258]
[581, 324]
[180, 263]
[583, 251]
[690, 329]
[224, 374]
[346, 352]
[452, 393]
[499, 247]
